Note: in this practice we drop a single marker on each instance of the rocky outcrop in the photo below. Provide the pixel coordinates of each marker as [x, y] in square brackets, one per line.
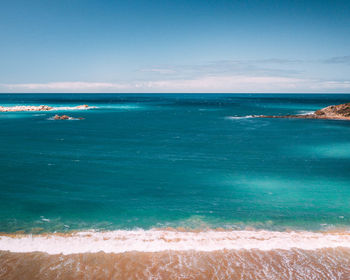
[43, 108]
[65, 117]
[334, 112]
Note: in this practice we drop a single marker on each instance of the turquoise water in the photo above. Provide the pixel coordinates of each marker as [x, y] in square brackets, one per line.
[145, 161]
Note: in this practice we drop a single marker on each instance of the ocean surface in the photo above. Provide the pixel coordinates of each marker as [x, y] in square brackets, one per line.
[169, 186]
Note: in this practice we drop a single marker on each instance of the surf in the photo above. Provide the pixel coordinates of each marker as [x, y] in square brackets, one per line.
[156, 240]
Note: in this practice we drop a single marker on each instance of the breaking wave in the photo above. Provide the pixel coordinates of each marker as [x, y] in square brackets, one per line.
[171, 254]
[155, 240]
[240, 117]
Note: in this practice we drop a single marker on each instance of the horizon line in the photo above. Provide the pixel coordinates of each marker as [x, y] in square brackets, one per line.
[243, 93]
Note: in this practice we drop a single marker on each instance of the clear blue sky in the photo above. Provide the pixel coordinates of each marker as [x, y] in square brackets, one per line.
[174, 46]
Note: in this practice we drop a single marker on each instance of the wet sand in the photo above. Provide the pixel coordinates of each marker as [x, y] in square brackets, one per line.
[224, 264]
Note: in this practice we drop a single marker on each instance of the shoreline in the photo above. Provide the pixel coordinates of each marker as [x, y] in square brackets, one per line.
[121, 241]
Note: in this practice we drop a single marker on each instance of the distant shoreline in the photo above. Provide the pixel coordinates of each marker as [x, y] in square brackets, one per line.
[174, 93]
[42, 108]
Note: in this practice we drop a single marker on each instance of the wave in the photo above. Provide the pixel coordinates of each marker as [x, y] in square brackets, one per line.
[304, 112]
[70, 108]
[240, 117]
[300, 113]
[157, 240]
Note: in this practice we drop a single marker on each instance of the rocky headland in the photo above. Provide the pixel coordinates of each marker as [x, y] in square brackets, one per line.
[333, 112]
[43, 108]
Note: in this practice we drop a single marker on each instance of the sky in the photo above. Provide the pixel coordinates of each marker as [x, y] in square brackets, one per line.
[252, 46]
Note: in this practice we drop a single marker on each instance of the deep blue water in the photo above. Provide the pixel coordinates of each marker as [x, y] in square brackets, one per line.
[143, 161]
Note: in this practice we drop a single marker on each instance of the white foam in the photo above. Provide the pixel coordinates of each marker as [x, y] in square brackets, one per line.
[160, 240]
[239, 118]
[305, 113]
[67, 108]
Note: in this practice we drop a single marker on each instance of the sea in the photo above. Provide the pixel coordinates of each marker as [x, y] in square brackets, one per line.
[174, 186]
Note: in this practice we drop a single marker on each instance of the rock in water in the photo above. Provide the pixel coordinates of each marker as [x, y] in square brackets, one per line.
[65, 117]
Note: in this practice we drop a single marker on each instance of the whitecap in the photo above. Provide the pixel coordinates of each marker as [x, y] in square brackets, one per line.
[303, 112]
[240, 117]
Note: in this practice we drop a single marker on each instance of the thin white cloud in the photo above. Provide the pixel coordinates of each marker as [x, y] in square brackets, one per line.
[215, 76]
[65, 86]
[338, 60]
[226, 68]
[205, 84]
[335, 85]
[226, 84]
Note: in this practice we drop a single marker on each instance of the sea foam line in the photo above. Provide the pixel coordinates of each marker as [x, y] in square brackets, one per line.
[160, 240]
[240, 117]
